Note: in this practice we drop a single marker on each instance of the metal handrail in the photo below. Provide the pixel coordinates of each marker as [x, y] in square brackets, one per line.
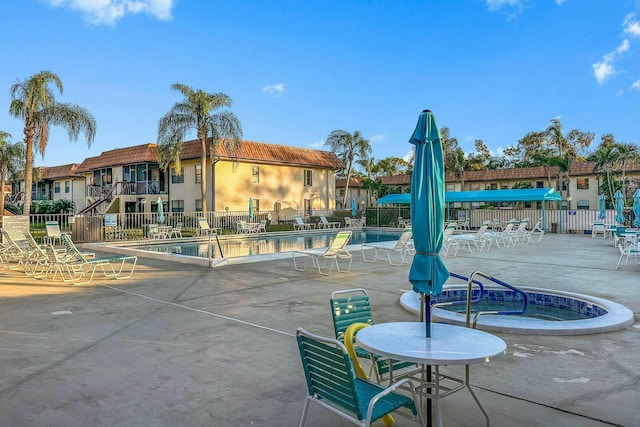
[460, 302]
[480, 313]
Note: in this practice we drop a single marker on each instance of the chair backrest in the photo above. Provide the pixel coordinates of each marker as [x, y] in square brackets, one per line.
[509, 228]
[53, 228]
[203, 223]
[447, 233]
[347, 307]
[339, 243]
[324, 219]
[299, 220]
[522, 226]
[329, 372]
[404, 239]
[32, 244]
[71, 249]
[484, 227]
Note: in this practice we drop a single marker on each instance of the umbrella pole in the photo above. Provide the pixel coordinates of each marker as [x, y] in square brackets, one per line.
[426, 315]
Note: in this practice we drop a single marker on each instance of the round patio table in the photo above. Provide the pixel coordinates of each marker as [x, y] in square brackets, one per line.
[448, 345]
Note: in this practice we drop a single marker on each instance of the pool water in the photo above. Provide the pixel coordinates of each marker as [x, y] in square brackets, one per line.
[260, 245]
[534, 311]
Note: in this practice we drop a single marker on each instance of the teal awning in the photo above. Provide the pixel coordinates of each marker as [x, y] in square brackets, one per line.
[521, 195]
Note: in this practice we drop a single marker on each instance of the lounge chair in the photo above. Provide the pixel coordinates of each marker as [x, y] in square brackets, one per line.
[402, 247]
[204, 227]
[505, 237]
[13, 251]
[332, 384]
[301, 225]
[449, 244]
[481, 239]
[262, 226]
[520, 234]
[326, 224]
[404, 223]
[77, 266]
[337, 250]
[53, 233]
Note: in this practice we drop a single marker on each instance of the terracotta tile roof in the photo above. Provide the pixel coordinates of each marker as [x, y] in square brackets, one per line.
[404, 179]
[121, 156]
[353, 182]
[58, 172]
[251, 151]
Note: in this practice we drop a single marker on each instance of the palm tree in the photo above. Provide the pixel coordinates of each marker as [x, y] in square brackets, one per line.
[606, 158]
[33, 102]
[196, 113]
[626, 152]
[11, 161]
[348, 148]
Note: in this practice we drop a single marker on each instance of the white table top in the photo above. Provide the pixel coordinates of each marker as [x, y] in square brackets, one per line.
[448, 345]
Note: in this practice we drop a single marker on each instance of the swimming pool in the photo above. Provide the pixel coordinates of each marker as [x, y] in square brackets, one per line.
[241, 247]
[548, 311]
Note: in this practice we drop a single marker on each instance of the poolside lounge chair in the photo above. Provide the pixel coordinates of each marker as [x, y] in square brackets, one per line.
[301, 225]
[449, 244]
[481, 239]
[13, 251]
[332, 384]
[326, 224]
[505, 237]
[404, 223]
[337, 250]
[53, 233]
[78, 267]
[204, 228]
[402, 247]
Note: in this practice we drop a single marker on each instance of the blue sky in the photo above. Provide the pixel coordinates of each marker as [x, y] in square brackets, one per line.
[297, 70]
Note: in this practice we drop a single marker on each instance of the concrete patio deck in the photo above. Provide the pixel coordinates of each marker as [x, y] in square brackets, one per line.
[182, 345]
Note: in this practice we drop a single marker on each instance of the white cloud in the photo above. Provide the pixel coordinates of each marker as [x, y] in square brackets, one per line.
[110, 11]
[631, 26]
[274, 89]
[494, 5]
[376, 138]
[636, 85]
[317, 144]
[624, 46]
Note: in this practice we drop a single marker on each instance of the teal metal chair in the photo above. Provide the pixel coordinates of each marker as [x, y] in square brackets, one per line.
[332, 384]
[351, 306]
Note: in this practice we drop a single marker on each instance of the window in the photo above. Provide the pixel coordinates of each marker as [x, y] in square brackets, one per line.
[504, 186]
[256, 205]
[539, 184]
[492, 186]
[198, 205]
[177, 178]
[66, 186]
[562, 184]
[177, 206]
[582, 184]
[255, 174]
[56, 187]
[451, 187]
[308, 178]
[199, 177]
[307, 206]
[583, 204]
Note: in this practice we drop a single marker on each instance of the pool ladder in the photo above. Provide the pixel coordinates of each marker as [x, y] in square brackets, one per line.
[470, 281]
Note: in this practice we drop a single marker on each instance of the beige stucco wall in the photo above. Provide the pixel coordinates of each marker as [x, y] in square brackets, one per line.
[234, 186]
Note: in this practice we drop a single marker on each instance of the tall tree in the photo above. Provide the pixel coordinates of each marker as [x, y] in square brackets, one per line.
[11, 161]
[626, 152]
[33, 102]
[606, 159]
[348, 148]
[203, 113]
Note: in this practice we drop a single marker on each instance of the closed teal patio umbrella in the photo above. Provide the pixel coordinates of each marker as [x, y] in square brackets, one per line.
[160, 212]
[354, 207]
[619, 206]
[250, 209]
[601, 205]
[636, 208]
[428, 273]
